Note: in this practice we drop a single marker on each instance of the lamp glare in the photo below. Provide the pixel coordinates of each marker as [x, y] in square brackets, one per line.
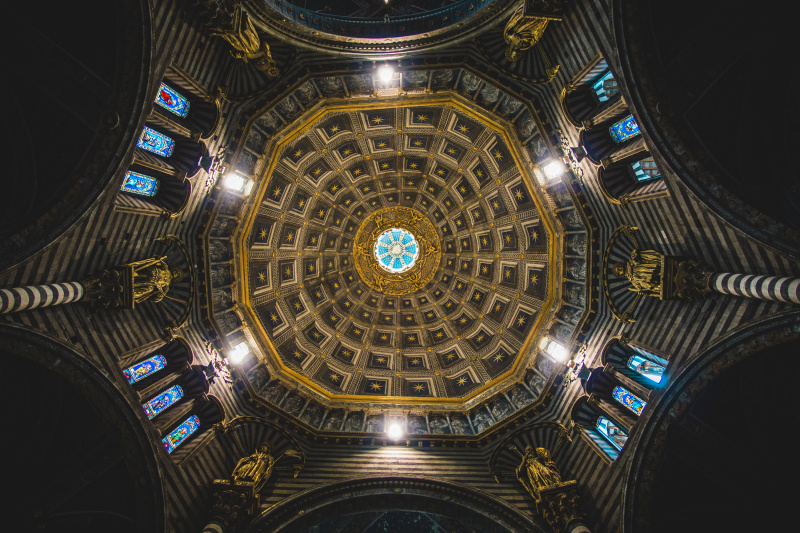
[395, 432]
[235, 182]
[554, 169]
[385, 74]
[238, 352]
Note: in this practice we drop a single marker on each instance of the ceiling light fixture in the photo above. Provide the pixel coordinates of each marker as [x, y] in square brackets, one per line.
[385, 74]
[395, 432]
[554, 349]
[237, 183]
[554, 169]
[238, 352]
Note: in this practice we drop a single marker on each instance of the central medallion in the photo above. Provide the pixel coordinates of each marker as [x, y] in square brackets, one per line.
[396, 250]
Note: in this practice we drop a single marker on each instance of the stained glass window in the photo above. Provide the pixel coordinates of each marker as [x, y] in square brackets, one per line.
[396, 250]
[181, 433]
[611, 432]
[605, 87]
[170, 100]
[162, 401]
[140, 184]
[628, 399]
[625, 129]
[652, 371]
[145, 368]
[155, 142]
[646, 169]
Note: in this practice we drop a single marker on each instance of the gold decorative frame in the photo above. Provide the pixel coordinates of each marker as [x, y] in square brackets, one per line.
[410, 281]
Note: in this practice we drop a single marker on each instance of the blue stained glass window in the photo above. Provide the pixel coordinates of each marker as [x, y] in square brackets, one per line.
[628, 399]
[162, 401]
[625, 129]
[646, 169]
[155, 142]
[145, 368]
[652, 371]
[140, 184]
[605, 87]
[181, 433]
[396, 250]
[611, 432]
[170, 100]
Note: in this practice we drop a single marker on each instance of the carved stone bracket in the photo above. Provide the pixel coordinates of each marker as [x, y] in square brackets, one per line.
[560, 505]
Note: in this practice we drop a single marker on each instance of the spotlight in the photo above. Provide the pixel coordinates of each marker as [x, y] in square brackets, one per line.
[554, 349]
[385, 74]
[554, 169]
[238, 183]
[238, 352]
[395, 431]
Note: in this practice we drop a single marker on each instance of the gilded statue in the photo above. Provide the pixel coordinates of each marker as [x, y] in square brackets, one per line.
[522, 33]
[537, 471]
[643, 270]
[241, 34]
[152, 278]
[257, 467]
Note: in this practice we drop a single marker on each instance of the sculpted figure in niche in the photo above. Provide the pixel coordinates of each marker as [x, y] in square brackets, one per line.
[152, 278]
[293, 405]
[537, 471]
[481, 421]
[354, 422]
[333, 422]
[460, 425]
[374, 424]
[438, 425]
[643, 270]
[416, 425]
[247, 46]
[520, 397]
[257, 468]
[312, 415]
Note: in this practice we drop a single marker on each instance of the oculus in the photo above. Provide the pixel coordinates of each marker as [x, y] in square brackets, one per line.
[396, 250]
[409, 276]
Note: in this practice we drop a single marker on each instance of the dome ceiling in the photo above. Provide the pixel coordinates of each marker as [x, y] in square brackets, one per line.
[461, 317]
[450, 344]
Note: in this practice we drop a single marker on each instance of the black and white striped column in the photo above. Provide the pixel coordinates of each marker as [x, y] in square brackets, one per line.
[31, 297]
[752, 286]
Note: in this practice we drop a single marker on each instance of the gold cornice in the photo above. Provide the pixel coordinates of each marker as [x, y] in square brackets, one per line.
[306, 123]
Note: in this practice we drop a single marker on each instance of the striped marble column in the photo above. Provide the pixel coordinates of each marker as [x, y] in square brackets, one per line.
[33, 296]
[752, 286]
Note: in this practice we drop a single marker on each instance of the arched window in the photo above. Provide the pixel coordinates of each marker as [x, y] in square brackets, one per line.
[647, 368]
[628, 399]
[624, 129]
[181, 433]
[144, 368]
[605, 86]
[155, 406]
[613, 434]
[140, 184]
[156, 142]
[645, 170]
[172, 101]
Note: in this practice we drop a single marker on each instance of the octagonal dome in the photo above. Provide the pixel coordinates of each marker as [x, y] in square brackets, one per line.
[328, 317]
